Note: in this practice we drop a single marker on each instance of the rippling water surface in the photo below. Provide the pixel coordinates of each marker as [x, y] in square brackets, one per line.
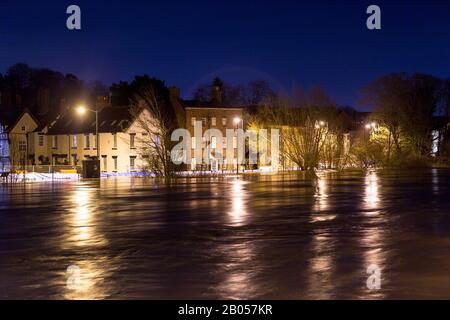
[249, 237]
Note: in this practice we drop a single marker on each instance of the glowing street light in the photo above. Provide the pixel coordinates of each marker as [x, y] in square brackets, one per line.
[236, 120]
[81, 110]
[368, 126]
[320, 124]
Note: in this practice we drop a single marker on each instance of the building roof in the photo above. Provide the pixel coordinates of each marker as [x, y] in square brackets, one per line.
[195, 104]
[9, 119]
[110, 119]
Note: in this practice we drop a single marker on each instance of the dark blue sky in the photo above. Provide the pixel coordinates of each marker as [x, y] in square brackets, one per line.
[186, 43]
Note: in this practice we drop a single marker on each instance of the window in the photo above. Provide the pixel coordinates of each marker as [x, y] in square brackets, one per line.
[213, 142]
[132, 162]
[41, 140]
[193, 121]
[204, 121]
[193, 142]
[132, 136]
[213, 121]
[74, 141]
[115, 162]
[54, 142]
[115, 140]
[23, 128]
[22, 146]
[224, 121]
[87, 141]
[105, 163]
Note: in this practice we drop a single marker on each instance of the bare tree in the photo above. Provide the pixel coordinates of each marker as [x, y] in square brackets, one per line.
[156, 120]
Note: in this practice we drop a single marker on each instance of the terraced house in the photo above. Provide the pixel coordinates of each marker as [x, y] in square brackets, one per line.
[71, 139]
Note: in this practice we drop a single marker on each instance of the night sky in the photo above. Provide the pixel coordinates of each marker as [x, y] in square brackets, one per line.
[186, 43]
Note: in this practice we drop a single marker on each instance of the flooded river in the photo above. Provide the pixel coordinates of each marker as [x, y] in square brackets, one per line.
[233, 237]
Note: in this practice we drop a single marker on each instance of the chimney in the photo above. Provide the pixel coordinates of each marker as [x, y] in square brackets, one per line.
[217, 95]
[217, 91]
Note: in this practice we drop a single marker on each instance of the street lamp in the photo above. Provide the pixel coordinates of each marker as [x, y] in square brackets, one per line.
[236, 121]
[81, 110]
[369, 127]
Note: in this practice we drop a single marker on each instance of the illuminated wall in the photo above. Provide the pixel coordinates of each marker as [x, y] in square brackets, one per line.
[4, 149]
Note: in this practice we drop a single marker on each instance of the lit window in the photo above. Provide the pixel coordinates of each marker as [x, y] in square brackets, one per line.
[41, 140]
[193, 121]
[224, 121]
[87, 142]
[115, 140]
[74, 141]
[204, 121]
[132, 162]
[115, 162]
[213, 121]
[213, 142]
[54, 142]
[22, 146]
[105, 163]
[132, 136]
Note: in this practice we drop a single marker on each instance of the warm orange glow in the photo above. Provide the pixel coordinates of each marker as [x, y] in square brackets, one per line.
[81, 110]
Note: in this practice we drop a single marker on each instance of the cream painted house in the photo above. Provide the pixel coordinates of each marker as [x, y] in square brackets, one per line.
[17, 135]
[71, 139]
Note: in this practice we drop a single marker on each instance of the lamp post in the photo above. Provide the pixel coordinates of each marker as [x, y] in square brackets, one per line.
[82, 110]
[369, 127]
[236, 122]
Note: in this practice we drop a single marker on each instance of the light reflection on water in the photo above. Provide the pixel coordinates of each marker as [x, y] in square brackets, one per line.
[238, 196]
[234, 237]
[83, 235]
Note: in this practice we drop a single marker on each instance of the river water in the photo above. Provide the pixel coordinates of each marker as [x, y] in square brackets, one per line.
[233, 237]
